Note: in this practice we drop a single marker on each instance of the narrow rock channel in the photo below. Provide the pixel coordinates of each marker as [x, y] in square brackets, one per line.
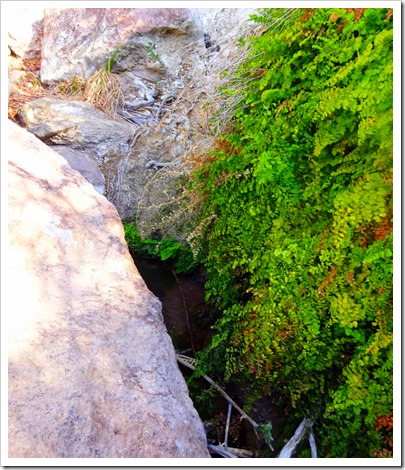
[177, 295]
[190, 332]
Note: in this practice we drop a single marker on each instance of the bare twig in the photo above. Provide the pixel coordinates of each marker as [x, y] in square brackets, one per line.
[122, 165]
[232, 452]
[140, 121]
[167, 97]
[228, 421]
[242, 453]
[221, 451]
[312, 444]
[133, 140]
[139, 104]
[189, 362]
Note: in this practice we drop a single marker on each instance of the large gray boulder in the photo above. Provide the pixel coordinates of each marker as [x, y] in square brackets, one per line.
[92, 370]
[86, 137]
[78, 125]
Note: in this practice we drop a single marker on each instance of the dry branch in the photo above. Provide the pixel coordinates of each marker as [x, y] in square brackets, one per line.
[312, 444]
[189, 362]
[221, 451]
[291, 445]
[228, 421]
[232, 452]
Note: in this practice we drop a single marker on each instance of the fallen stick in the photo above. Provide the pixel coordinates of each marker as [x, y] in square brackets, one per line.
[232, 452]
[228, 421]
[312, 444]
[189, 362]
[167, 97]
[242, 453]
[139, 104]
[221, 451]
[300, 432]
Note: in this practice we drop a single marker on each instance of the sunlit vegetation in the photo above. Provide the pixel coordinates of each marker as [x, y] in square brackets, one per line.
[295, 227]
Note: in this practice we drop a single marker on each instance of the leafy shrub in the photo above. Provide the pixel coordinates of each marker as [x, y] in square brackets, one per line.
[298, 249]
[168, 249]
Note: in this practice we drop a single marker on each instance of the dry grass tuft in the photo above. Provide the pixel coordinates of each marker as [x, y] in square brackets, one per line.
[71, 88]
[102, 90]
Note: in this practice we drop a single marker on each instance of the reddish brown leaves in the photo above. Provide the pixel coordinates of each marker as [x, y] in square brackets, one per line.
[358, 13]
[328, 279]
[385, 424]
[382, 230]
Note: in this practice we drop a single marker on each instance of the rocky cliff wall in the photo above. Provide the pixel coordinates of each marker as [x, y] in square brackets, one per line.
[164, 67]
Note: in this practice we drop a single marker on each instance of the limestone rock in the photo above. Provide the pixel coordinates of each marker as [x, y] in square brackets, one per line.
[92, 370]
[79, 41]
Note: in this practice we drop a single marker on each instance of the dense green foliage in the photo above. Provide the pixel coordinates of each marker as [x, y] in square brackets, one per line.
[169, 250]
[298, 238]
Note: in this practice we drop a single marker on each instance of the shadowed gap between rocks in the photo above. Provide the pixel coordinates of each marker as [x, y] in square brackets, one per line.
[160, 280]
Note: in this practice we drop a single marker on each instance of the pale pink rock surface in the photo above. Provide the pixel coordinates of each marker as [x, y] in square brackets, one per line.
[92, 370]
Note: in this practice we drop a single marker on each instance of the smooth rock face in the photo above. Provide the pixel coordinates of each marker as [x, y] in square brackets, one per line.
[76, 124]
[92, 371]
[84, 165]
[78, 41]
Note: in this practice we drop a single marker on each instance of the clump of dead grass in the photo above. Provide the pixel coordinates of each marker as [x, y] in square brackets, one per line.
[102, 89]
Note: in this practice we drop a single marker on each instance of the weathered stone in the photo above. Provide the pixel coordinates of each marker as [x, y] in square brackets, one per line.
[183, 125]
[19, 79]
[92, 370]
[83, 128]
[47, 130]
[15, 77]
[78, 125]
[14, 89]
[25, 29]
[185, 131]
[84, 165]
[80, 41]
